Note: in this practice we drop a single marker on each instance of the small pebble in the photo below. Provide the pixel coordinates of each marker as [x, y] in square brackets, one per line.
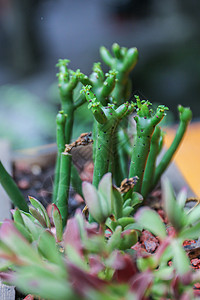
[36, 170]
[23, 184]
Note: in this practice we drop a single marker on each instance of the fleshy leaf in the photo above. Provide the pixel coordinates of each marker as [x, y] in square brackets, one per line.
[151, 221]
[105, 188]
[41, 209]
[13, 239]
[194, 215]
[117, 203]
[175, 213]
[180, 259]
[115, 239]
[57, 219]
[36, 214]
[47, 246]
[92, 201]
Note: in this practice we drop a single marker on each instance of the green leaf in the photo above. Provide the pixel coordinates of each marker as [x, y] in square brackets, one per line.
[18, 217]
[191, 232]
[26, 233]
[175, 213]
[47, 246]
[151, 221]
[34, 229]
[127, 211]
[41, 209]
[117, 203]
[182, 197]
[115, 239]
[193, 215]
[92, 201]
[180, 259]
[125, 221]
[57, 219]
[43, 282]
[35, 213]
[14, 240]
[128, 239]
[136, 199]
[111, 224]
[105, 189]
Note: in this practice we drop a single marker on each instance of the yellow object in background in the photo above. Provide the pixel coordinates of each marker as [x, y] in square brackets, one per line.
[187, 157]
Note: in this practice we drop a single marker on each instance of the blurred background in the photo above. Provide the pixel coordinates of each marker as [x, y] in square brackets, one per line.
[34, 34]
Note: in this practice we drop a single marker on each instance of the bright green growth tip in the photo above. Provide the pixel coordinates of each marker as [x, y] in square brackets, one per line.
[62, 62]
[85, 89]
[111, 73]
[185, 113]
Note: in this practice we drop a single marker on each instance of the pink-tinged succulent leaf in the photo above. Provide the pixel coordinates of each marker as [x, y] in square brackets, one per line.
[105, 189]
[45, 282]
[6, 276]
[96, 265]
[25, 232]
[82, 281]
[17, 243]
[141, 283]
[151, 221]
[162, 248]
[92, 201]
[8, 255]
[124, 267]
[41, 209]
[34, 228]
[29, 297]
[72, 237]
[187, 295]
[57, 219]
[174, 212]
[37, 215]
[47, 246]
[180, 259]
[128, 239]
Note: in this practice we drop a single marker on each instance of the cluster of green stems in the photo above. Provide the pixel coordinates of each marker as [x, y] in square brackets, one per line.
[107, 96]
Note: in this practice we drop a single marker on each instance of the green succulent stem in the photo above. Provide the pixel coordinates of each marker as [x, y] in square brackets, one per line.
[123, 61]
[107, 120]
[67, 82]
[60, 136]
[145, 124]
[151, 162]
[12, 190]
[64, 184]
[185, 116]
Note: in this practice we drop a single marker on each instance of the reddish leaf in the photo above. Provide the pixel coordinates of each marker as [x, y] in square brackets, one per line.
[125, 268]
[82, 281]
[72, 237]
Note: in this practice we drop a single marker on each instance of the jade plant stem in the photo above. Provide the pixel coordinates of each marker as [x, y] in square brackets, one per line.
[12, 190]
[151, 162]
[185, 116]
[64, 184]
[60, 138]
[145, 124]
